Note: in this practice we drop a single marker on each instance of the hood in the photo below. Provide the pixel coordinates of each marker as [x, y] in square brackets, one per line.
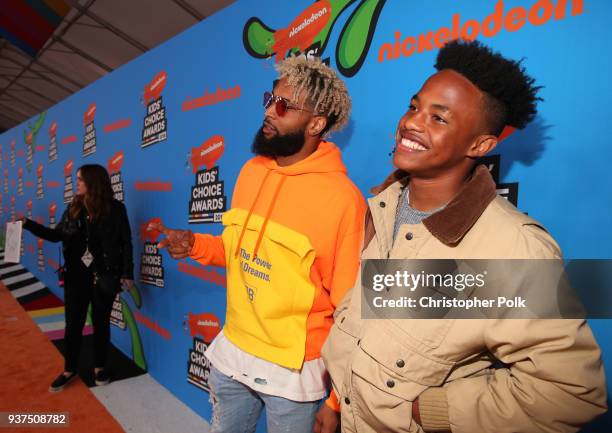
[326, 159]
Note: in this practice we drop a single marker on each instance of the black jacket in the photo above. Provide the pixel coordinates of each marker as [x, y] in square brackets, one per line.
[109, 241]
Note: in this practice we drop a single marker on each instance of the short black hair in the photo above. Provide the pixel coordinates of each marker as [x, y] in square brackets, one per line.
[511, 95]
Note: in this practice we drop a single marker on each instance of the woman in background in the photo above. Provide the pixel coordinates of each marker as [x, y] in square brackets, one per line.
[97, 246]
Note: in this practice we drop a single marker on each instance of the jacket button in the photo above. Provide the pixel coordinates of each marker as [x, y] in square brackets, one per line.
[383, 204]
[390, 383]
[346, 400]
[400, 363]
[409, 236]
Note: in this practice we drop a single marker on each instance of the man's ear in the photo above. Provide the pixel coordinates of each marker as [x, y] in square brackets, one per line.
[482, 145]
[316, 125]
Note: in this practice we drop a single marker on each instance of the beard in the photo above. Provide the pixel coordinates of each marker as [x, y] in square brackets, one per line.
[278, 145]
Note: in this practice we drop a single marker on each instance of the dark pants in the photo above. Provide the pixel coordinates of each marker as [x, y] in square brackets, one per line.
[79, 292]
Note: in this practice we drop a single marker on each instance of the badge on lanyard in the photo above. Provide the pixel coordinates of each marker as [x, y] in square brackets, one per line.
[87, 258]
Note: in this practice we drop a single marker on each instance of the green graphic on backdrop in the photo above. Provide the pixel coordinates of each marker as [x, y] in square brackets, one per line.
[309, 34]
[29, 136]
[137, 350]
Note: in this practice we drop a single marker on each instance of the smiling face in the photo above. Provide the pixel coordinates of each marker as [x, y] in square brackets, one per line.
[443, 129]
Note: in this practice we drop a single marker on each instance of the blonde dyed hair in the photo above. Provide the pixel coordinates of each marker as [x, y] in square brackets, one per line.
[324, 90]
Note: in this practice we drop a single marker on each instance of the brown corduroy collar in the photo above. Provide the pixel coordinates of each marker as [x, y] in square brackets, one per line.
[451, 224]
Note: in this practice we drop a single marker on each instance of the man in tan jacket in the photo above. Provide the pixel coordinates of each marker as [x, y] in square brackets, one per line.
[464, 376]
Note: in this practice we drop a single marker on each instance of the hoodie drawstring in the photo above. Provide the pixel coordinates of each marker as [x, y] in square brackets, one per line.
[246, 222]
[267, 217]
[265, 223]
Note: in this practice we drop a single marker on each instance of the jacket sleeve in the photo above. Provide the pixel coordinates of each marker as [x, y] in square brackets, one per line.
[126, 244]
[56, 234]
[551, 380]
[208, 250]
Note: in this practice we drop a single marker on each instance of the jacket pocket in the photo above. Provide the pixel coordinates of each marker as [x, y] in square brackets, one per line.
[270, 294]
[394, 365]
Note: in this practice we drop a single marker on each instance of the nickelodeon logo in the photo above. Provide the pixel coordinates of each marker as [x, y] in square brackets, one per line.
[150, 234]
[206, 325]
[89, 115]
[68, 168]
[152, 91]
[512, 20]
[115, 163]
[208, 153]
[304, 29]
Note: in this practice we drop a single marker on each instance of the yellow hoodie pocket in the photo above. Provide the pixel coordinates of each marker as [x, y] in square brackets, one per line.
[269, 295]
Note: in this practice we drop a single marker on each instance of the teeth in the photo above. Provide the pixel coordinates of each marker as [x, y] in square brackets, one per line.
[413, 145]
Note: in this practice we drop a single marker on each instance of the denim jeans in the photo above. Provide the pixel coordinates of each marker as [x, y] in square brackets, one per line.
[236, 408]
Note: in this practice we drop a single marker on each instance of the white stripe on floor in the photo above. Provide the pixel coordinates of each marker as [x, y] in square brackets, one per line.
[10, 269]
[17, 278]
[34, 287]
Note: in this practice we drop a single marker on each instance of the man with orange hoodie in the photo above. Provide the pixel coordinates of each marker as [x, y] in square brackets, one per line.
[290, 247]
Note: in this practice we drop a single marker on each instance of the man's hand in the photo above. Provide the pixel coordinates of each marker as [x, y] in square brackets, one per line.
[326, 420]
[127, 283]
[178, 242]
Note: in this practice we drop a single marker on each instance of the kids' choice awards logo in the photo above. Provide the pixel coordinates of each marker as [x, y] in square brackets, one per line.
[13, 208]
[52, 213]
[309, 33]
[40, 191]
[114, 168]
[13, 156]
[151, 264]
[53, 141]
[29, 208]
[208, 201]
[203, 328]
[41, 255]
[6, 181]
[68, 184]
[89, 140]
[116, 317]
[1, 207]
[155, 125]
[20, 181]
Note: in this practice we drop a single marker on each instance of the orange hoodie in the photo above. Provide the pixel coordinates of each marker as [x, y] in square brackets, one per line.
[291, 249]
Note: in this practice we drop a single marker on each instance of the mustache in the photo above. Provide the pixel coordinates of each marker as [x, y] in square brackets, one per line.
[269, 124]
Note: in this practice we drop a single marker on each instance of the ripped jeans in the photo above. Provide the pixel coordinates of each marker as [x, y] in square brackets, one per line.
[236, 408]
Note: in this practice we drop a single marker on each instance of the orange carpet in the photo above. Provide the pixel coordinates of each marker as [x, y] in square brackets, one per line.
[28, 364]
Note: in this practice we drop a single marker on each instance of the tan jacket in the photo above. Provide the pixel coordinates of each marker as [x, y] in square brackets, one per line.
[513, 375]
